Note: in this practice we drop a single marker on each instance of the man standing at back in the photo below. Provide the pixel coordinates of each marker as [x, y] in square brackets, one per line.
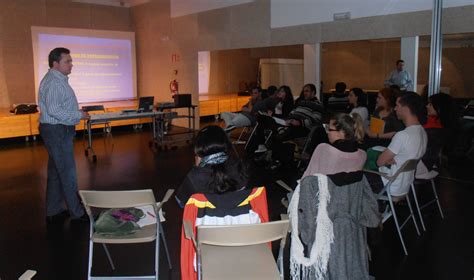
[407, 144]
[400, 77]
[59, 114]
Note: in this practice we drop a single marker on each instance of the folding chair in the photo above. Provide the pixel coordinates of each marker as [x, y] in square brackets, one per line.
[252, 133]
[385, 195]
[149, 233]
[427, 177]
[244, 131]
[238, 251]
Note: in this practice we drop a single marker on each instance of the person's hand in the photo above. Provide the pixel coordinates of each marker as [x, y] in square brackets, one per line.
[391, 161]
[85, 115]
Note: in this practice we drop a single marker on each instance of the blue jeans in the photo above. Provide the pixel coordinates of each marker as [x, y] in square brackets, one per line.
[62, 179]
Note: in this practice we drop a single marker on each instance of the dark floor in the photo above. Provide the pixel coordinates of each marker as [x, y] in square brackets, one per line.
[444, 251]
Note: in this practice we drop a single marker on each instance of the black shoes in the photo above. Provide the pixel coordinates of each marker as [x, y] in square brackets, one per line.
[82, 219]
[58, 218]
[62, 216]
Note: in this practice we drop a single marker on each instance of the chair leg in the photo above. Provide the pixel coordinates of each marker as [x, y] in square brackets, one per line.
[418, 207]
[412, 214]
[392, 208]
[162, 233]
[157, 251]
[108, 256]
[91, 253]
[251, 135]
[437, 199]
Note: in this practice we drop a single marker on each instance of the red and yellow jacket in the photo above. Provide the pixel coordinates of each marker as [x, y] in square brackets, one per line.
[241, 207]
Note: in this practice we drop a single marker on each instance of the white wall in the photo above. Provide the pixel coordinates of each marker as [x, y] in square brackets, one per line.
[187, 7]
[296, 12]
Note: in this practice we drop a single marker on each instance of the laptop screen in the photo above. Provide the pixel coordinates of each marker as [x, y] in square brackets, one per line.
[146, 103]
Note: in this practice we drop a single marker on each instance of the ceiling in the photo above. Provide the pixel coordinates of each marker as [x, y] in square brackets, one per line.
[116, 3]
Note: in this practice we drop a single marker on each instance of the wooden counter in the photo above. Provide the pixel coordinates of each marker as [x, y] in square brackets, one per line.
[27, 125]
[215, 104]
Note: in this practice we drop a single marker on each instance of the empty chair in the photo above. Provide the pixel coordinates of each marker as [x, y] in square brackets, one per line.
[144, 234]
[238, 251]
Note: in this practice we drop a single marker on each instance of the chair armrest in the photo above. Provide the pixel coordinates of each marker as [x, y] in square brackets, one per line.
[284, 185]
[385, 175]
[188, 232]
[27, 275]
[167, 196]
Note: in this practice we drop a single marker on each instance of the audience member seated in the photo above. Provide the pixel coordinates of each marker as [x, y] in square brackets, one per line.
[279, 107]
[217, 169]
[442, 121]
[358, 102]
[329, 216]
[247, 115]
[269, 92]
[339, 102]
[342, 154]
[307, 114]
[225, 200]
[285, 104]
[384, 111]
[407, 144]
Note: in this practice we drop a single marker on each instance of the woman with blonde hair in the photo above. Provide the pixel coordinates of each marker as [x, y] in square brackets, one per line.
[342, 154]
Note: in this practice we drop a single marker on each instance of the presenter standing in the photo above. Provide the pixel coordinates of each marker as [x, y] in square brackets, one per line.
[59, 113]
[400, 77]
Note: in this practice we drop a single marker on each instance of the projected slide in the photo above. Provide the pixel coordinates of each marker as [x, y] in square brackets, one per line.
[103, 67]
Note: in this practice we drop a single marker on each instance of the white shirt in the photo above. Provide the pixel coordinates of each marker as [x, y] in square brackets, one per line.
[407, 144]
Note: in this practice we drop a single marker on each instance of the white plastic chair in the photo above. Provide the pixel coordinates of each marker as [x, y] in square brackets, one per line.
[385, 195]
[125, 199]
[238, 251]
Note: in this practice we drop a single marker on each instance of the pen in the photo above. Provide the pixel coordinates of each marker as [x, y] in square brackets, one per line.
[151, 214]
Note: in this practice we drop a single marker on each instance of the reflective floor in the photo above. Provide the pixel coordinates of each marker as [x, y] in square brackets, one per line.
[444, 251]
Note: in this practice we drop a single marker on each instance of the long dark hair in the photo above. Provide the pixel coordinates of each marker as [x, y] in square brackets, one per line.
[445, 108]
[288, 101]
[212, 140]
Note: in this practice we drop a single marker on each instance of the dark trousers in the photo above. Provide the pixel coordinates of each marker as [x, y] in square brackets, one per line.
[62, 179]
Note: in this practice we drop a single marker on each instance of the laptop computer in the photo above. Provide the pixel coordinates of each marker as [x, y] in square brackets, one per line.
[145, 104]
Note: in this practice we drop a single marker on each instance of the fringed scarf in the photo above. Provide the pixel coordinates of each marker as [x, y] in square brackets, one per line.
[302, 267]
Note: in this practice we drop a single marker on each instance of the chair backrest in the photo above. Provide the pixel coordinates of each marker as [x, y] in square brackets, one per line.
[408, 166]
[117, 199]
[242, 235]
[93, 108]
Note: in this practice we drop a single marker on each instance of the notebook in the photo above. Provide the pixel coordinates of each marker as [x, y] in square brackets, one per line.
[376, 125]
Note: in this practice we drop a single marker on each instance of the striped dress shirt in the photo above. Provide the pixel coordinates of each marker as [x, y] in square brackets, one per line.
[57, 101]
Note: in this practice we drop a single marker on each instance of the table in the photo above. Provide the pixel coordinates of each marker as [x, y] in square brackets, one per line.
[191, 116]
[115, 116]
